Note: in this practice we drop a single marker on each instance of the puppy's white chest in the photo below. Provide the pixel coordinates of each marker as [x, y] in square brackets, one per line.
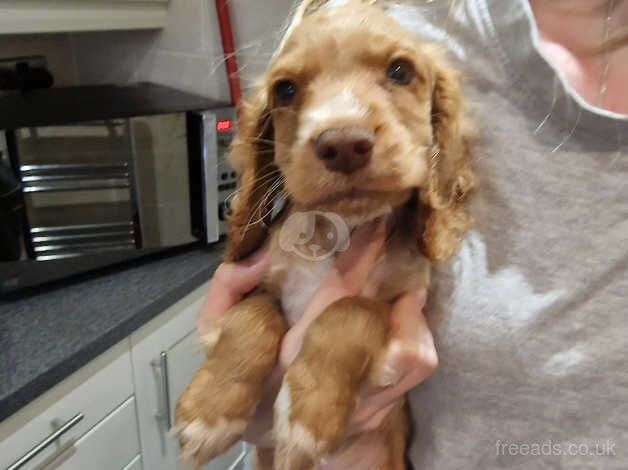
[298, 285]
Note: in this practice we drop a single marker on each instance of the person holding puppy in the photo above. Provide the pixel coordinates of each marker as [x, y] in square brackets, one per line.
[528, 318]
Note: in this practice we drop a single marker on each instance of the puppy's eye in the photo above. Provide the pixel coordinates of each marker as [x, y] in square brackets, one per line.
[400, 71]
[285, 91]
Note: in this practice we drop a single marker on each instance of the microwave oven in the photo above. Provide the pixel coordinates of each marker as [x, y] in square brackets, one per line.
[96, 175]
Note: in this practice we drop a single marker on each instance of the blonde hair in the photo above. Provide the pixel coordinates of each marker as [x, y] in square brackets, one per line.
[617, 41]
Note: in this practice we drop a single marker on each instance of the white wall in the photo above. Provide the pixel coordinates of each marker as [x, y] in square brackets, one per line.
[56, 48]
[187, 54]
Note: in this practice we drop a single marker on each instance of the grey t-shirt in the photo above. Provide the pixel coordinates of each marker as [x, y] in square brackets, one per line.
[530, 317]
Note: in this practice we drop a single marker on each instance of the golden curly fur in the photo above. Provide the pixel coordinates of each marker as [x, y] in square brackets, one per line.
[337, 64]
[424, 121]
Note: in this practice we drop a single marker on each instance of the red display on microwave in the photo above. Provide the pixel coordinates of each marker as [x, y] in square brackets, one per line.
[224, 125]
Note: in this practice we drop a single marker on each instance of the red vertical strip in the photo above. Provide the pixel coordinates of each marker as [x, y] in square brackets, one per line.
[226, 35]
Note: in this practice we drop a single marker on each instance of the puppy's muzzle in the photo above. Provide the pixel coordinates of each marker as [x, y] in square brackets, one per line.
[345, 149]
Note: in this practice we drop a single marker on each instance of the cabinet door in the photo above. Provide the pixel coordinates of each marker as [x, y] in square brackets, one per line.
[166, 354]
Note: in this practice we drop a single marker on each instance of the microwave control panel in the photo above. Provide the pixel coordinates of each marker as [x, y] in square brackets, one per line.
[225, 128]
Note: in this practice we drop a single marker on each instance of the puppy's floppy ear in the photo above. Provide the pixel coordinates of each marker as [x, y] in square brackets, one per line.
[450, 176]
[252, 156]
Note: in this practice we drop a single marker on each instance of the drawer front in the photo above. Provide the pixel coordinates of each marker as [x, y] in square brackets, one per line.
[111, 444]
[94, 392]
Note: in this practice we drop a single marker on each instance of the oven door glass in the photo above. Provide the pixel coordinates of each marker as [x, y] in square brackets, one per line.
[105, 186]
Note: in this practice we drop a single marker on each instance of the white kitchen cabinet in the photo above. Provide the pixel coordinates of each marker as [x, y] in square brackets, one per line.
[80, 402]
[114, 411]
[136, 464]
[46, 16]
[166, 354]
[152, 366]
[110, 445]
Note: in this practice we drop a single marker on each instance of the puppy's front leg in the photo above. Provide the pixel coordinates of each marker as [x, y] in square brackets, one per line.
[320, 387]
[242, 350]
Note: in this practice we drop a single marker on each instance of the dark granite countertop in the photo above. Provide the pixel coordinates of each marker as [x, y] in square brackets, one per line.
[48, 333]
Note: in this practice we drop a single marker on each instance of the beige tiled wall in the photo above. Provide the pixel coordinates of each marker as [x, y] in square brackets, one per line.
[187, 54]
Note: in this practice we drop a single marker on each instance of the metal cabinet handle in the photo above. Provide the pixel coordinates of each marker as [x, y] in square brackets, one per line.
[31, 454]
[164, 413]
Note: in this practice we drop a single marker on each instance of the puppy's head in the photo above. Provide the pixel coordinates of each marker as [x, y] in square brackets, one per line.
[355, 116]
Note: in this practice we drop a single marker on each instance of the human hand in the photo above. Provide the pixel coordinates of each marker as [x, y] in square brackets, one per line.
[409, 359]
[230, 283]
[410, 356]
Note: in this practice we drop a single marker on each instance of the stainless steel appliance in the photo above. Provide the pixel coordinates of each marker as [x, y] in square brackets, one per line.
[91, 176]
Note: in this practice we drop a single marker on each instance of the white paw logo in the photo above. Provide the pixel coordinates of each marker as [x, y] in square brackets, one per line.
[314, 235]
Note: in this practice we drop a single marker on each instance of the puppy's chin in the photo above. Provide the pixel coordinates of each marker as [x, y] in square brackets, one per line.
[357, 207]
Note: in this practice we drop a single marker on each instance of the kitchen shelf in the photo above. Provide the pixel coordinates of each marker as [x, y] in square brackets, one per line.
[48, 16]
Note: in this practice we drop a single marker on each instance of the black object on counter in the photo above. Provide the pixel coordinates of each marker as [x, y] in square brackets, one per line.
[25, 78]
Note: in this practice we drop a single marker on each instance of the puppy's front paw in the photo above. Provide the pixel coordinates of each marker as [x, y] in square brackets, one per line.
[242, 349]
[200, 441]
[296, 447]
[208, 420]
[309, 425]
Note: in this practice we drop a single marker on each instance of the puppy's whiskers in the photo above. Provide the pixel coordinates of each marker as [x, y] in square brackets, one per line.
[273, 192]
[257, 181]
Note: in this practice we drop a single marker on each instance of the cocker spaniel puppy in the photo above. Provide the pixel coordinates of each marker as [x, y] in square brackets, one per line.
[354, 119]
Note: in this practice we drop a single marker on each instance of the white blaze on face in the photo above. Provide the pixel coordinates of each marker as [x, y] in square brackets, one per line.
[336, 3]
[342, 107]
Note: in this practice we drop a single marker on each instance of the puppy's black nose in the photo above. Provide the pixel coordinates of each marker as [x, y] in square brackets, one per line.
[345, 149]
